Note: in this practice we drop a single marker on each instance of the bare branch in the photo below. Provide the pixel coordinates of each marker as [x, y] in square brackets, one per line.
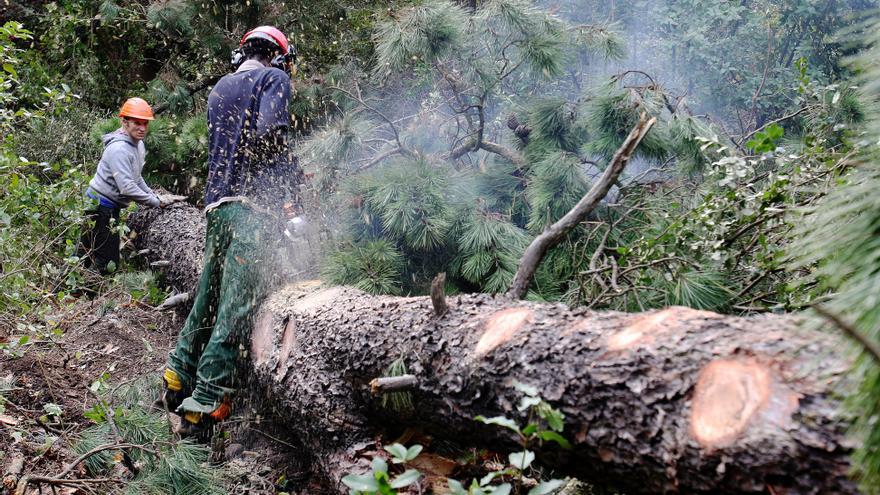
[491, 147]
[438, 295]
[850, 331]
[381, 115]
[551, 236]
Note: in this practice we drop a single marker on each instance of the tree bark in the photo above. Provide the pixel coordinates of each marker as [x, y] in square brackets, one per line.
[175, 234]
[669, 401]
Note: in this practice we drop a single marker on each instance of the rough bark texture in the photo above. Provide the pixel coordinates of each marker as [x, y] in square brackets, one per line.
[175, 234]
[675, 400]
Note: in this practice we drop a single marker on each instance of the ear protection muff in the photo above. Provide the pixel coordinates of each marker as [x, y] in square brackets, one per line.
[237, 57]
[285, 61]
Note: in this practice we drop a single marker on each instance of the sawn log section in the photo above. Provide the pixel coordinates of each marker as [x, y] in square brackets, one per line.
[675, 400]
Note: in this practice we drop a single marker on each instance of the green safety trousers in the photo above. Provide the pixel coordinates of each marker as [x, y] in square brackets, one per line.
[234, 281]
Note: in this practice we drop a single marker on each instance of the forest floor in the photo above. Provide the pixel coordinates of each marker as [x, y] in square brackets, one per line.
[44, 386]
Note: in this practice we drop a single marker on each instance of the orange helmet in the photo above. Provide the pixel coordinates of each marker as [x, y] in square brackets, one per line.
[136, 108]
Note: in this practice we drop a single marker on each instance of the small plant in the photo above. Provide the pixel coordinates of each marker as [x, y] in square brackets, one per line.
[544, 424]
[379, 481]
[765, 141]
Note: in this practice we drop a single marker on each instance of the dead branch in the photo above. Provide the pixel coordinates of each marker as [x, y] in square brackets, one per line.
[172, 301]
[108, 414]
[438, 294]
[388, 384]
[491, 147]
[551, 236]
[12, 471]
[60, 478]
[850, 331]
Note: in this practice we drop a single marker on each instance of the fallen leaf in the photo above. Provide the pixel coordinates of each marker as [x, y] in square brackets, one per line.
[8, 420]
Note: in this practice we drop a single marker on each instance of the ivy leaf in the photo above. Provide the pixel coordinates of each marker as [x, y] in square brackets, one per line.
[397, 451]
[456, 488]
[52, 409]
[552, 436]
[528, 402]
[361, 483]
[529, 390]
[500, 421]
[502, 489]
[379, 465]
[413, 452]
[407, 478]
[485, 480]
[521, 460]
[546, 487]
[555, 419]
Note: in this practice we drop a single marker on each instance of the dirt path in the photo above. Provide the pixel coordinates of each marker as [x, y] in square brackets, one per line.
[44, 388]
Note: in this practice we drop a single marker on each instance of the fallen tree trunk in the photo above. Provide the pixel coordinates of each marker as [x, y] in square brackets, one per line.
[175, 234]
[675, 400]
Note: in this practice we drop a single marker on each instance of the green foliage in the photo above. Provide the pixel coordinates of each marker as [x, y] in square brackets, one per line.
[421, 33]
[142, 286]
[614, 112]
[379, 481]
[167, 466]
[699, 290]
[398, 401]
[765, 140]
[556, 184]
[544, 424]
[374, 267]
[488, 250]
[836, 250]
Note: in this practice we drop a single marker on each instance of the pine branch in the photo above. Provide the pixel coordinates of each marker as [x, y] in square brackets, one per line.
[191, 90]
[551, 236]
[471, 145]
[850, 331]
[357, 98]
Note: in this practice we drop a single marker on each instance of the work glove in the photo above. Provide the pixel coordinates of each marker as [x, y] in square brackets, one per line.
[169, 199]
[295, 228]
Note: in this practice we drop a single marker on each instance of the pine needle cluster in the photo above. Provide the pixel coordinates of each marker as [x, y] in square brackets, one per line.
[180, 468]
[837, 242]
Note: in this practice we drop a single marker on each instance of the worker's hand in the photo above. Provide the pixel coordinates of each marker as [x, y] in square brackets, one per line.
[169, 199]
[296, 228]
[289, 210]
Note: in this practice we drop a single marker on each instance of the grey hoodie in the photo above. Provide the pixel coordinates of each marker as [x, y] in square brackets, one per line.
[118, 177]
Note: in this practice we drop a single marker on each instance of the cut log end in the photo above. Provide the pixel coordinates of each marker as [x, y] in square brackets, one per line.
[262, 338]
[643, 329]
[730, 395]
[501, 327]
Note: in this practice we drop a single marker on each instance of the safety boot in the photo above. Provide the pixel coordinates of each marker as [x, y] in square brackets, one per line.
[172, 392]
[199, 426]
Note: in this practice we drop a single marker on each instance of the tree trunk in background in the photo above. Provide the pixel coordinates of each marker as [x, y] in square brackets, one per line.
[675, 400]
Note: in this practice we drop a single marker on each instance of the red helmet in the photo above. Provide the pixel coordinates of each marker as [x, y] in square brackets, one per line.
[270, 33]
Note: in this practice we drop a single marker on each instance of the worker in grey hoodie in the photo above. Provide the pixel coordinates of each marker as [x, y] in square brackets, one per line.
[116, 184]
